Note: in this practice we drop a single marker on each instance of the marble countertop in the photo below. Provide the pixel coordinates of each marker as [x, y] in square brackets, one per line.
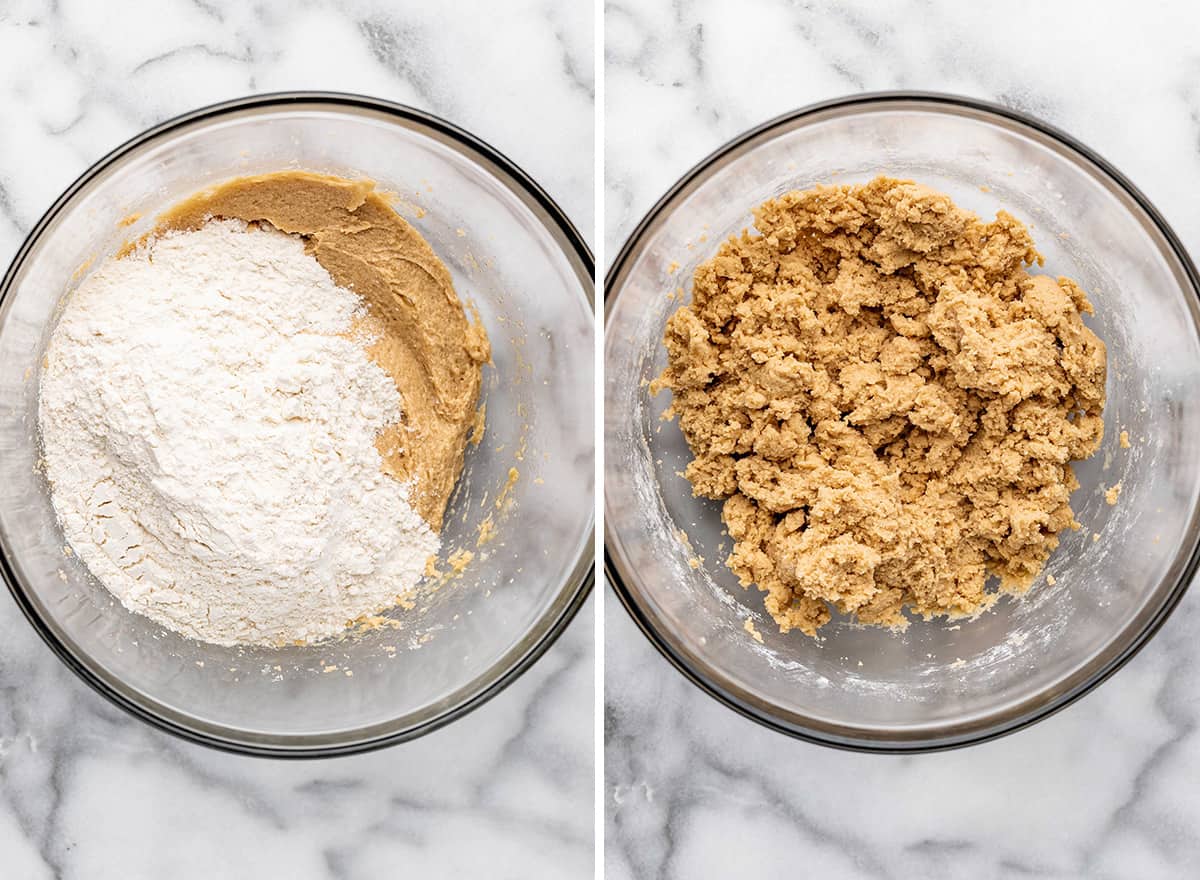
[88, 792]
[1105, 789]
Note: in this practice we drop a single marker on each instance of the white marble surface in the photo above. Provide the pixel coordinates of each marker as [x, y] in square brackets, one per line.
[1106, 788]
[87, 792]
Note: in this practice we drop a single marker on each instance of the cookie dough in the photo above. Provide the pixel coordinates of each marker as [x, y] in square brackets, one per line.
[887, 401]
[422, 337]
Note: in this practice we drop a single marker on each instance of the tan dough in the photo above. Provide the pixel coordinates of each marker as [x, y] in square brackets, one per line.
[424, 339]
[886, 400]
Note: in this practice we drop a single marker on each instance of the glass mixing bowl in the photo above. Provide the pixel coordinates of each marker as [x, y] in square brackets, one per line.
[940, 683]
[515, 257]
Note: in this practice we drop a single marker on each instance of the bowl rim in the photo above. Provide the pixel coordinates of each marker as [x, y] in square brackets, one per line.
[577, 586]
[854, 740]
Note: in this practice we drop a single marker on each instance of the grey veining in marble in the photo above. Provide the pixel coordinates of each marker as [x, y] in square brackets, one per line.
[88, 792]
[1106, 789]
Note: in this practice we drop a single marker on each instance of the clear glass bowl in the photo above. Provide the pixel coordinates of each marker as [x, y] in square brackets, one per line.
[939, 684]
[527, 271]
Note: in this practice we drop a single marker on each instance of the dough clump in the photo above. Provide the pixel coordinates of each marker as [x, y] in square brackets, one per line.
[887, 402]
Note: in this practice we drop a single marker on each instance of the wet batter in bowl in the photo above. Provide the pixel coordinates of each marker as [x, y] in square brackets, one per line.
[887, 401]
[422, 336]
[253, 418]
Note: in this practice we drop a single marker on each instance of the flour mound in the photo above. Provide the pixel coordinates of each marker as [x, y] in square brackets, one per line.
[208, 421]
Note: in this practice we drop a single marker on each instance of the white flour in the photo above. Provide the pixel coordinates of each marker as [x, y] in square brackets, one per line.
[208, 430]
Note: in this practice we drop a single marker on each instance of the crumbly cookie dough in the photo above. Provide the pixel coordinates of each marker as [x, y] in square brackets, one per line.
[422, 336]
[887, 401]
